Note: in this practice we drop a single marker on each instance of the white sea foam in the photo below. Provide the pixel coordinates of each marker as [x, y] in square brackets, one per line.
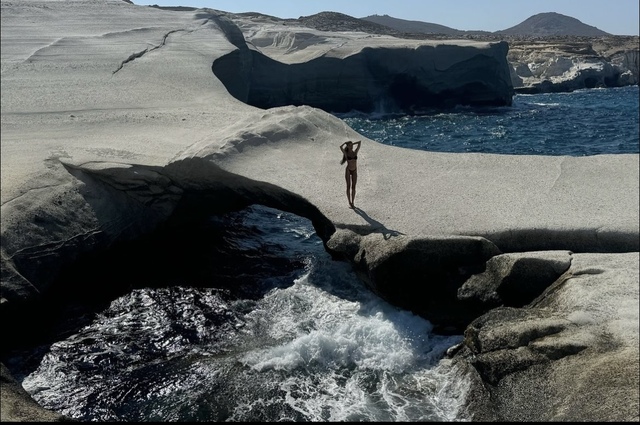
[545, 104]
[319, 348]
[351, 359]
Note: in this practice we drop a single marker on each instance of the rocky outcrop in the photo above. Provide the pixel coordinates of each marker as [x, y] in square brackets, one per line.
[390, 79]
[514, 279]
[379, 74]
[418, 274]
[125, 202]
[560, 64]
[565, 344]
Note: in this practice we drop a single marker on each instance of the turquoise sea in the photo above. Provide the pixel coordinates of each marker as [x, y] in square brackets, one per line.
[286, 333]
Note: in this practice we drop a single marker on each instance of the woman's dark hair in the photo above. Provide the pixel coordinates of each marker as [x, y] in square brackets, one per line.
[344, 155]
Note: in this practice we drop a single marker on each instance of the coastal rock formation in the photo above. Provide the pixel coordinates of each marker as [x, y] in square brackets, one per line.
[567, 345]
[549, 52]
[418, 274]
[515, 279]
[116, 122]
[561, 64]
[284, 65]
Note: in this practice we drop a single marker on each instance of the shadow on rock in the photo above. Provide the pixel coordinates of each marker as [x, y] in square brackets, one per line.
[372, 226]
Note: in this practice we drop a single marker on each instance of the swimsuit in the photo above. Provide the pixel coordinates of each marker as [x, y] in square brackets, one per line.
[350, 159]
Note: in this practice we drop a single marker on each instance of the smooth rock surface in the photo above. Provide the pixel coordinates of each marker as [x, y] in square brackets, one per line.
[110, 110]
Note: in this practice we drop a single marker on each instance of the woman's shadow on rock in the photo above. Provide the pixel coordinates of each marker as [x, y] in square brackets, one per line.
[374, 225]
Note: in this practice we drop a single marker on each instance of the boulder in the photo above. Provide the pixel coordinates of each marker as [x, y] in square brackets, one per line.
[514, 279]
[571, 355]
[422, 275]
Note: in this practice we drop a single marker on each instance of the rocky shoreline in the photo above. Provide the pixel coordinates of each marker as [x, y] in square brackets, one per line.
[116, 125]
[539, 64]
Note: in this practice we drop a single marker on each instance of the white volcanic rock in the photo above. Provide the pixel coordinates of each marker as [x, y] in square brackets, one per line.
[286, 64]
[574, 71]
[567, 345]
[112, 118]
[571, 63]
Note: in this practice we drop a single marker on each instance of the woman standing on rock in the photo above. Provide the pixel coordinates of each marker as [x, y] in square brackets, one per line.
[350, 156]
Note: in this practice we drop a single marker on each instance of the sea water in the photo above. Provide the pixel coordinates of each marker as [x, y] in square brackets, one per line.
[299, 338]
[584, 122]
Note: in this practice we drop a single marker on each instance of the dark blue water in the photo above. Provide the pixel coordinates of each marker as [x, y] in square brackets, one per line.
[308, 343]
[297, 337]
[584, 122]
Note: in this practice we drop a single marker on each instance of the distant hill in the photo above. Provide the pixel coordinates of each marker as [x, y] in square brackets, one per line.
[402, 25]
[540, 25]
[551, 24]
[548, 24]
[334, 21]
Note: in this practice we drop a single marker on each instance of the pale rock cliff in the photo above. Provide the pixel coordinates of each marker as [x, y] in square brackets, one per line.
[287, 64]
[559, 64]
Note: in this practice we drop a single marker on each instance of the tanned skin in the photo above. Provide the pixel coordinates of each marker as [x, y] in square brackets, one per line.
[350, 156]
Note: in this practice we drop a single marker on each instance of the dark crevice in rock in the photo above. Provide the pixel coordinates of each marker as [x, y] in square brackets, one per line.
[576, 240]
[137, 55]
[556, 352]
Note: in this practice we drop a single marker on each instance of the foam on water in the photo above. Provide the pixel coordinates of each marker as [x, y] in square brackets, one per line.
[348, 360]
[333, 331]
[316, 346]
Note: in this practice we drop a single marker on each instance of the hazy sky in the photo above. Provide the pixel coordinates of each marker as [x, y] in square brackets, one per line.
[618, 17]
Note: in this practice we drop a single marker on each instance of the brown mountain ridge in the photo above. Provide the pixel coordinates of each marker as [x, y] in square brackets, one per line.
[539, 25]
[547, 24]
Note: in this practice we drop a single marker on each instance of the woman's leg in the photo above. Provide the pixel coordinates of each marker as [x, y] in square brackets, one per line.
[347, 176]
[354, 180]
